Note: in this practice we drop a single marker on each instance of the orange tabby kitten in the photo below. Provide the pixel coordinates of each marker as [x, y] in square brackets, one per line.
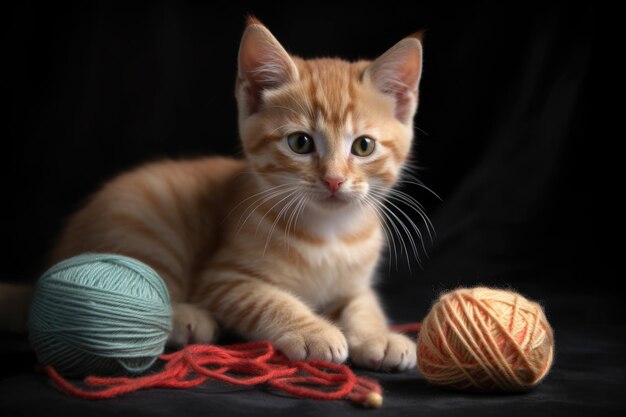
[282, 245]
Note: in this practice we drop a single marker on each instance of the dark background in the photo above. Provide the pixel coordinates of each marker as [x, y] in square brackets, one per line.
[504, 135]
[97, 88]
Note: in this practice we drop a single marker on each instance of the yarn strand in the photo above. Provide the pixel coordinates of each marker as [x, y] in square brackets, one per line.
[241, 364]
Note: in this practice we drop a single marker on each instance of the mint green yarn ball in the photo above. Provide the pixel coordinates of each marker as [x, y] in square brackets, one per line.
[99, 314]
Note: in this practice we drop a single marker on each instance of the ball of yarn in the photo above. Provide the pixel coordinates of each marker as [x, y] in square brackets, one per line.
[483, 339]
[99, 313]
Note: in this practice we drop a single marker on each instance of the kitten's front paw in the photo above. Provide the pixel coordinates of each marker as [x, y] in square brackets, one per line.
[388, 351]
[322, 342]
[191, 324]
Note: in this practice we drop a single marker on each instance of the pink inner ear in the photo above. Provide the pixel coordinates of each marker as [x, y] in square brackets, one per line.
[405, 103]
[252, 96]
[406, 95]
[397, 73]
[263, 64]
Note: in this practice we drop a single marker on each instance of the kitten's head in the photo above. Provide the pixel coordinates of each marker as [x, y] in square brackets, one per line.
[338, 131]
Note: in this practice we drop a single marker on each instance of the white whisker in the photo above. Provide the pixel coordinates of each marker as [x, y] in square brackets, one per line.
[272, 208]
[413, 225]
[392, 197]
[263, 199]
[414, 181]
[384, 219]
[421, 130]
[411, 203]
[252, 196]
[278, 216]
[293, 218]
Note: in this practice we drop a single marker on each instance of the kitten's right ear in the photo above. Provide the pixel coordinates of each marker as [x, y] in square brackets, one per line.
[397, 73]
[263, 65]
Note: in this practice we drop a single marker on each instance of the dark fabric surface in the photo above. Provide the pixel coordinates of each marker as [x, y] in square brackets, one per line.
[503, 135]
[587, 378]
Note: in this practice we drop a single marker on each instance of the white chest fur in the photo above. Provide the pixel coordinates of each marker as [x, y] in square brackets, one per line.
[337, 267]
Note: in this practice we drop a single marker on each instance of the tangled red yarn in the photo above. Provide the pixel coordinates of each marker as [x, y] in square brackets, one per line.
[241, 364]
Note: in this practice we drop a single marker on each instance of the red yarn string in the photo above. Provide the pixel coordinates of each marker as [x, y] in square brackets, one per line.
[406, 328]
[240, 364]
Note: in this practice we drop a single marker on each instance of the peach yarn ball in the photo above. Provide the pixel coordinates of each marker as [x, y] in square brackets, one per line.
[483, 339]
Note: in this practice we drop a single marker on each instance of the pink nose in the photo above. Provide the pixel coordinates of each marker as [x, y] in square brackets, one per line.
[333, 183]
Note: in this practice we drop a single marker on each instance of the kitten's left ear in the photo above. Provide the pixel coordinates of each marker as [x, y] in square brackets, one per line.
[263, 65]
[397, 73]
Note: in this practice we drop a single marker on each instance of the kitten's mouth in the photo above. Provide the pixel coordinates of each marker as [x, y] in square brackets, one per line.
[334, 199]
[332, 202]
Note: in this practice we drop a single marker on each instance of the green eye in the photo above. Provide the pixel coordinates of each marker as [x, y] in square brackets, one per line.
[363, 146]
[300, 143]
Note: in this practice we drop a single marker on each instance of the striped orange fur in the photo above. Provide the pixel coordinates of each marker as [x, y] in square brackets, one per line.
[280, 245]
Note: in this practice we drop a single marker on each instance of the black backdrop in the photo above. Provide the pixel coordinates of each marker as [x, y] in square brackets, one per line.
[528, 182]
[97, 88]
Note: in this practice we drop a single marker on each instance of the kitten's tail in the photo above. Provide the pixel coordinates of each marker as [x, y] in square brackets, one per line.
[14, 306]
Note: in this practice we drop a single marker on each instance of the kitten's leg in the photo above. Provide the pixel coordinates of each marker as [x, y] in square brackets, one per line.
[371, 343]
[260, 311]
[191, 324]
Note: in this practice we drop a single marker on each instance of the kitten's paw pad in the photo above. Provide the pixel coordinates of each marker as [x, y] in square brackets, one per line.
[388, 352]
[191, 324]
[326, 343]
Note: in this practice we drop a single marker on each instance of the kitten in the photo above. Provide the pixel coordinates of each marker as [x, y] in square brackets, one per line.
[284, 244]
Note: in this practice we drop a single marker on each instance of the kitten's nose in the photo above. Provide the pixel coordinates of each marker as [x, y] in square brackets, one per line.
[333, 183]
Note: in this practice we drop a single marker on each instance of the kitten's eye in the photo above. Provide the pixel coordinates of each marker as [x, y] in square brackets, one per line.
[363, 146]
[300, 143]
